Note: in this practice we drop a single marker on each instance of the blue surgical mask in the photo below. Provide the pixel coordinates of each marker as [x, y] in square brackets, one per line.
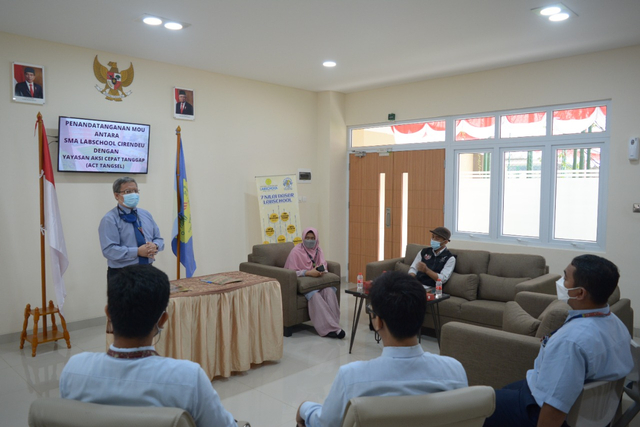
[309, 244]
[563, 292]
[131, 200]
[435, 245]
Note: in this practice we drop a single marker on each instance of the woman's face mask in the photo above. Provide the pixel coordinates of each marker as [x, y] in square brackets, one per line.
[563, 292]
[309, 244]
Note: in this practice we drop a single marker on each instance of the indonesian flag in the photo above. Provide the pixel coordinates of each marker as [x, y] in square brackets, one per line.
[53, 225]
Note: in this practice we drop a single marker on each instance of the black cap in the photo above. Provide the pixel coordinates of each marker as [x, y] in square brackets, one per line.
[29, 70]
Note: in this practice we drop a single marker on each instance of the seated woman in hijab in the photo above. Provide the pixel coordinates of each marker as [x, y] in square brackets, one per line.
[307, 259]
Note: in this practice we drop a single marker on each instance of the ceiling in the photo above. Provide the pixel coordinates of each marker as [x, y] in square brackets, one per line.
[376, 43]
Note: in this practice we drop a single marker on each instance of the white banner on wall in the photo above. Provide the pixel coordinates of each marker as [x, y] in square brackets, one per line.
[279, 214]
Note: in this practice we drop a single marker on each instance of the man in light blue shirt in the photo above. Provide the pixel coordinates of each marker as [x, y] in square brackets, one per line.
[128, 235]
[131, 373]
[592, 345]
[398, 305]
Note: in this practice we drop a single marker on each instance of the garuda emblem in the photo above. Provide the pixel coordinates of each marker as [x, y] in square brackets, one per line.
[113, 79]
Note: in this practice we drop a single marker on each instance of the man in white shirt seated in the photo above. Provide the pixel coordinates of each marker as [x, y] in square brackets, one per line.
[131, 373]
[434, 262]
[398, 305]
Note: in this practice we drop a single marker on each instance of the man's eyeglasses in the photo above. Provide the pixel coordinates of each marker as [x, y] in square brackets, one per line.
[129, 192]
[370, 311]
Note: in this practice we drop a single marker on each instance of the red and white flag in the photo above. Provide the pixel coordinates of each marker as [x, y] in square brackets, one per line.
[53, 225]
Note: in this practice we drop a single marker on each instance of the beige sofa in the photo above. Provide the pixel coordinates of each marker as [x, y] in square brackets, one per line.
[268, 260]
[481, 285]
[499, 357]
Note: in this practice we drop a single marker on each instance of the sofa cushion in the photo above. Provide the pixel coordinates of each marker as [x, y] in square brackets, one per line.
[518, 321]
[470, 262]
[552, 318]
[483, 312]
[308, 284]
[462, 285]
[412, 252]
[496, 288]
[274, 254]
[516, 265]
[615, 296]
[401, 266]
[449, 308]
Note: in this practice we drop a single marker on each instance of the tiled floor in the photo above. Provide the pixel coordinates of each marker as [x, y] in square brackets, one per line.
[268, 395]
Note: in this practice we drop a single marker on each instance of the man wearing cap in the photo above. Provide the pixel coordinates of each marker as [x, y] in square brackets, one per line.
[183, 107]
[29, 88]
[434, 262]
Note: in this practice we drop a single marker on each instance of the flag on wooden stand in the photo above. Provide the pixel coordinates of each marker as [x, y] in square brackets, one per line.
[53, 225]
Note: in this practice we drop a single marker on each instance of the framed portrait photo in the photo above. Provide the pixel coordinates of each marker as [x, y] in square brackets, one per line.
[27, 84]
[183, 104]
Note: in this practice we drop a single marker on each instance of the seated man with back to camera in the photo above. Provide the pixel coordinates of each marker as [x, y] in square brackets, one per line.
[131, 373]
[435, 261]
[398, 305]
[591, 345]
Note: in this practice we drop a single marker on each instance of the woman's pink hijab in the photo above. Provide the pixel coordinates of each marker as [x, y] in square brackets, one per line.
[299, 256]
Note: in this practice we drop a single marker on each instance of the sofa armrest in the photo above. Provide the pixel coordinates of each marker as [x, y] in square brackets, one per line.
[545, 284]
[489, 356]
[622, 309]
[375, 269]
[334, 267]
[534, 303]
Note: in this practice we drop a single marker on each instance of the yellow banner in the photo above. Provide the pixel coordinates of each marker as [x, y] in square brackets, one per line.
[279, 214]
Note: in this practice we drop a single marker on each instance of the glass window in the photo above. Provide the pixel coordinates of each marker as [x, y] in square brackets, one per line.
[580, 120]
[521, 193]
[474, 192]
[476, 128]
[521, 125]
[577, 190]
[411, 133]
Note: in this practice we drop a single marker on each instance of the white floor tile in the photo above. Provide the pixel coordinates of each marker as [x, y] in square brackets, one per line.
[260, 409]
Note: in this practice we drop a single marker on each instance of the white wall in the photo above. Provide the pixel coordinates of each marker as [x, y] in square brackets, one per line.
[243, 128]
[613, 74]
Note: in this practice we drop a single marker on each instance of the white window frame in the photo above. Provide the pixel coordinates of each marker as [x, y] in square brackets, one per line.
[497, 146]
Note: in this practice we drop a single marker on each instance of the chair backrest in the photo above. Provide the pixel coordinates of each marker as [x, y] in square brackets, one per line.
[56, 412]
[464, 407]
[597, 404]
[274, 254]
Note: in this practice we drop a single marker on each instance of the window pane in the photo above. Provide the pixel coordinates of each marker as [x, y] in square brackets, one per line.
[411, 133]
[521, 125]
[476, 128]
[577, 183]
[521, 193]
[580, 120]
[474, 192]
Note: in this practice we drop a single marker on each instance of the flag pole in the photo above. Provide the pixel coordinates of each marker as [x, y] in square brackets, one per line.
[179, 203]
[43, 274]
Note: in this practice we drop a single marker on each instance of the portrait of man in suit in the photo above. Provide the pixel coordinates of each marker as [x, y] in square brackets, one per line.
[29, 83]
[184, 104]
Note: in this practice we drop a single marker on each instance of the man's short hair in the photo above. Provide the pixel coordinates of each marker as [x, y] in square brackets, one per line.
[597, 275]
[401, 301]
[182, 93]
[29, 70]
[118, 183]
[137, 296]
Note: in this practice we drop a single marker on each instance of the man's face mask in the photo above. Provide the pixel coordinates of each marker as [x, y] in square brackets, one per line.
[131, 200]
[563, 292]
[435, 245]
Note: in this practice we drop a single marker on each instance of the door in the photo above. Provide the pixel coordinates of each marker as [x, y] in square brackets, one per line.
[394, 199]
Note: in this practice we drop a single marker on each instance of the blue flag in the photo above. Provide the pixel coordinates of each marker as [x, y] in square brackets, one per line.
[183, 215]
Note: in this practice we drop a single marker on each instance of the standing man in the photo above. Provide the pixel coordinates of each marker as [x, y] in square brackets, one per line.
[28, 88]
[128, 235]
[592, 345]
[182, 106]
[397, 308]
[434, 262]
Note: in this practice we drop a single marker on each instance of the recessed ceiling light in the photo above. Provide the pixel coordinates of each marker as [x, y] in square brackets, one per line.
[329, 64]
[559, 17]
[173, 26]
[551, 10]
[152, 20]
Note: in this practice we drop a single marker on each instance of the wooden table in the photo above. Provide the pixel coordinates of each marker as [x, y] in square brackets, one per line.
[224, 328]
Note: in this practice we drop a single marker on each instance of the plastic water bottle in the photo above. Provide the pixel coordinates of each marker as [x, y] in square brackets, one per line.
[439, 288]
[360, 283]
